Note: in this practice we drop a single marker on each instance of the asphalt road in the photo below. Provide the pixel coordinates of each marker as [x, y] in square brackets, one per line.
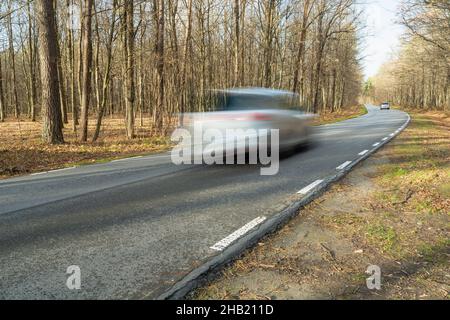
[137, 226]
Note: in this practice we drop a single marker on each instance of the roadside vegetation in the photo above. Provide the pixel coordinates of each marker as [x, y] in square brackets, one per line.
[328, 117]
[393, 211]
[23, 152]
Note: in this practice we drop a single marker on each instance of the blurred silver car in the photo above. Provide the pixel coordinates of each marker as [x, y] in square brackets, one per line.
[257, 109]
[385, 106]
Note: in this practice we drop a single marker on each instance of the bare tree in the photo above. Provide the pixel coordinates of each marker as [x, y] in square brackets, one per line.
[12, 57]
[158, 112]
[107, 74]
[48, 54]
[2, 99]
[130, 67]
[87, 64]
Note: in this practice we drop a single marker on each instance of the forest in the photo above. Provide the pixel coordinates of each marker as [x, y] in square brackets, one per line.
[418, 76]
[71, 63]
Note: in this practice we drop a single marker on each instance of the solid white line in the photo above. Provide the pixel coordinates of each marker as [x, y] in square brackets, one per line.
[59, 170]
[225, 242]
[363, 152]
[157, 157]
[307, 189]
[342, 166]
[125, 159]
[38, 173]
[376, 144]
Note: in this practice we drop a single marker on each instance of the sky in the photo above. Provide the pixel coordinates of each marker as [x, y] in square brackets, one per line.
[383, 34]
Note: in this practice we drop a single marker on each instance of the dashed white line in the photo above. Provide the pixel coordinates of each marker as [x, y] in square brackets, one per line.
[225, 242]
[363, 152]
[344, 165]
[392, 134]
[307, 189]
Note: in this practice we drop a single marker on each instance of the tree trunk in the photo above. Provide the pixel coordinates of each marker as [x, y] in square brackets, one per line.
[298, 67]
[269, 30]
[12, 57]
[107, 75]
[130, 66]
[32, 77]
[237, 43]
[159, 110]
[186, 53]
[51, 109]
[87, 64]
[2, 100]
[71, 63]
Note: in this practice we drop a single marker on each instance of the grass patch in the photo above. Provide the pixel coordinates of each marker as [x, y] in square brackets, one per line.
[444, 190]
[435, 253]
[384, 236]
[346, 114]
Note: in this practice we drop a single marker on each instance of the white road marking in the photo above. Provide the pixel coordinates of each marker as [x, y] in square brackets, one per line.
[125, 159]
[342, 166]
[157, 157]
[38, 173]
[58, 170]
[376, 144]
[384, 139]
[307, 189]
[225, 242]
[392, 134]
[64, 169]
[363, 152]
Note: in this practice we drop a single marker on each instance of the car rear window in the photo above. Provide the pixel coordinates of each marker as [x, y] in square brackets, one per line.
[225, 102]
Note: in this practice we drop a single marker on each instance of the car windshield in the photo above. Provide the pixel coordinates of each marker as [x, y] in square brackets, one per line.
[243, 102]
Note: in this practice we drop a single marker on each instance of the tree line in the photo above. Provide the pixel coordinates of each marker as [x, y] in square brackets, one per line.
[419, 75]
[74, 61]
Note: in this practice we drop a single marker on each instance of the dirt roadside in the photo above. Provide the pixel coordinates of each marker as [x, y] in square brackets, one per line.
[392, 211]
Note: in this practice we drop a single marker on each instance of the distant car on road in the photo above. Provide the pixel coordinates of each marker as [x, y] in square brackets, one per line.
[385, 106]
[255, 108]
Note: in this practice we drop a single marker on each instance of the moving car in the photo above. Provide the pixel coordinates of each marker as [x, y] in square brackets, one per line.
[253, 108]
[385, 106]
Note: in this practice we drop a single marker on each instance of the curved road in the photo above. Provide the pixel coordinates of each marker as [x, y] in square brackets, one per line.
[137, 226]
